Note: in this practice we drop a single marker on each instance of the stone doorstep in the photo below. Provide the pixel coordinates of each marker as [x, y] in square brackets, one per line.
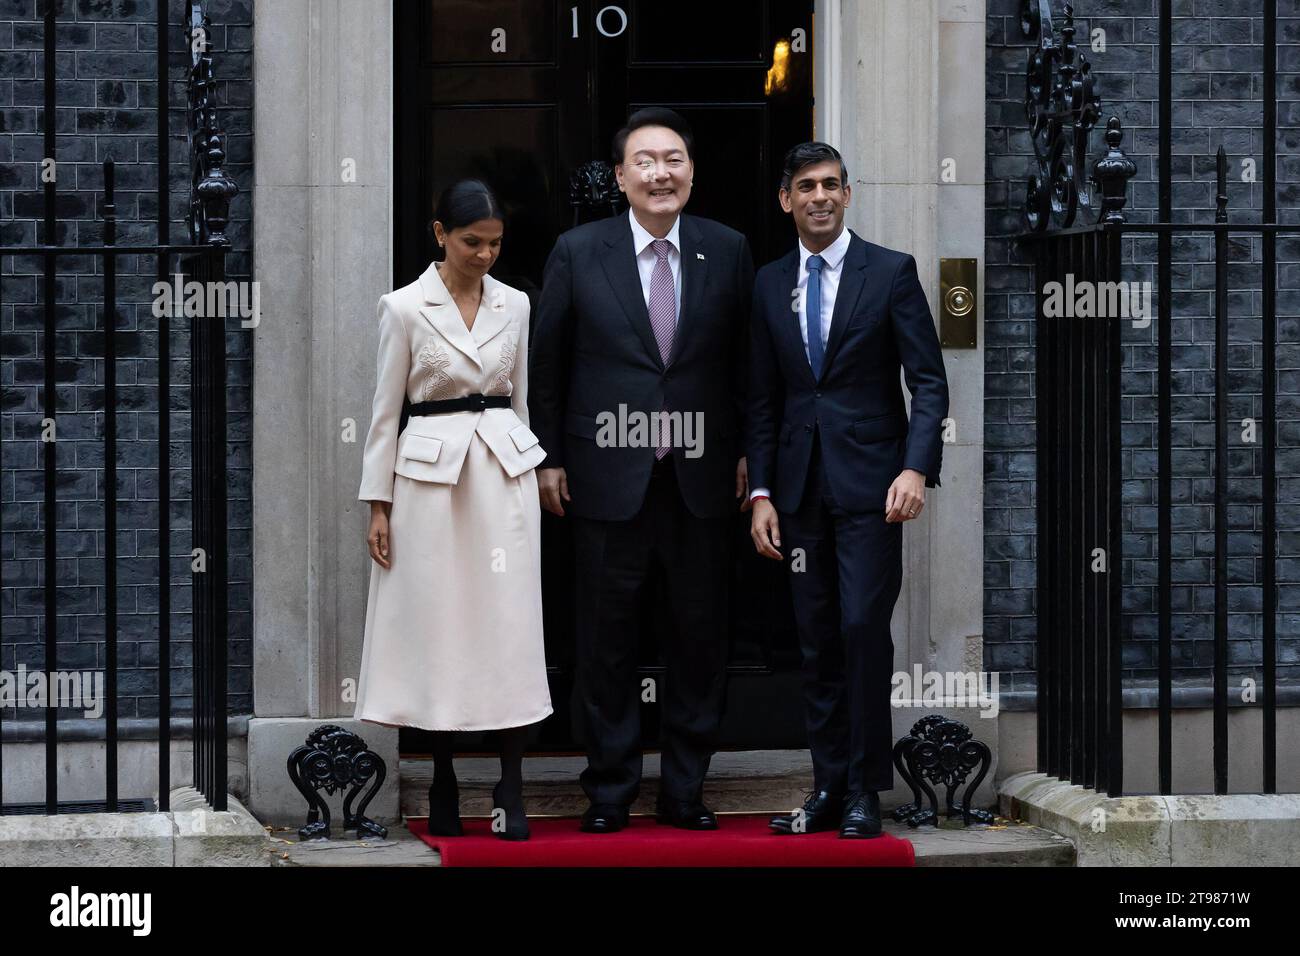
[1240, 829]
[190, 834]
[753, 781]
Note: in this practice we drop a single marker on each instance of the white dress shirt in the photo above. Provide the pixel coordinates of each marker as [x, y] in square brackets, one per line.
[646, 258]
[831, 272]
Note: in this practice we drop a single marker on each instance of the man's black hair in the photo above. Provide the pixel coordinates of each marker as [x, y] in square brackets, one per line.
[653, 116]
[810, 154]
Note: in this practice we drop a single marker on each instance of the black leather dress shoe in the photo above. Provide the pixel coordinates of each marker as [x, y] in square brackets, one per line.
[604, 818]
[861, 816]
[685, 814]
[821, 811]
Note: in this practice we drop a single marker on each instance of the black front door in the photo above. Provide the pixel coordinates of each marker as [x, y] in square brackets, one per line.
[523, 94]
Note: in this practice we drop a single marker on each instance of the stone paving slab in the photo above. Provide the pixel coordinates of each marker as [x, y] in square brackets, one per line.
[189, 834]
[767, 781]
[1235, 829]
[402, 848]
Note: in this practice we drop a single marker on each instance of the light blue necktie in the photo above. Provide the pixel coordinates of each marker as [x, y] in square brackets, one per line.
[813, 314]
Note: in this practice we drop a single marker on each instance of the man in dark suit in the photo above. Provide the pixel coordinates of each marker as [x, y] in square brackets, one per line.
[636, 393]
[836, 468]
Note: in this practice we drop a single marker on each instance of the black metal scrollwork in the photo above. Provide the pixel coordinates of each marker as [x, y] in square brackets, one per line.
[594, 192]
[331, 759]
[210, 188]
[940, 750]
[1062, 106]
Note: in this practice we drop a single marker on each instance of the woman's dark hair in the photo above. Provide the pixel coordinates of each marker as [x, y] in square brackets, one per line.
[810, 154]
[466, 201]
[653, 116]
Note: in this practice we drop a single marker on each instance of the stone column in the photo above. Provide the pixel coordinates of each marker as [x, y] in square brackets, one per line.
[323, 257]
[900, 85]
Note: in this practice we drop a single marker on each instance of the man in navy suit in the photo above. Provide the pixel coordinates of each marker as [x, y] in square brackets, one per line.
[836, 467]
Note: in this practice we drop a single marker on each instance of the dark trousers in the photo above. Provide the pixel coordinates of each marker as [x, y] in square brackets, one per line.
[843, 599]
[613, 560]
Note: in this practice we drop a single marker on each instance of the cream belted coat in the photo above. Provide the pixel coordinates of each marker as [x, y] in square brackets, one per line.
[453, 637]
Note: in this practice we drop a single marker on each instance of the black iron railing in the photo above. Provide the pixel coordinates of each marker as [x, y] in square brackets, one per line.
[1079, 483]
[210, 193]
[1078, 418]
[200, 259]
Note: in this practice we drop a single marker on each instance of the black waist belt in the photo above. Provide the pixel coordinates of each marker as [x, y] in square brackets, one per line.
[466, 403]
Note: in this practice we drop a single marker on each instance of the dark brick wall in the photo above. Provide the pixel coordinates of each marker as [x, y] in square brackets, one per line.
[107, 93]
[1217, 87]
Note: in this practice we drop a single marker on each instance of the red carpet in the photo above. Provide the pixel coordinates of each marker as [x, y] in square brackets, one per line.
[738, 841]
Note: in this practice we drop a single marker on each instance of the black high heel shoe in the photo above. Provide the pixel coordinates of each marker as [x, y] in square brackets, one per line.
[512, 802]
[444, 806]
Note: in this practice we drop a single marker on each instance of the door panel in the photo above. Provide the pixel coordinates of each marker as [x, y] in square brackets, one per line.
[490, 32]
[679, 31]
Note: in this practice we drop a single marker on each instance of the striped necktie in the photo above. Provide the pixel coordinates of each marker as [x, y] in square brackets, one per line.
[663, 320]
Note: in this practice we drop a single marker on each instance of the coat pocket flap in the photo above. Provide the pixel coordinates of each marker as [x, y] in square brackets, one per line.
[523, 438]
[421, 447]
[880, 428]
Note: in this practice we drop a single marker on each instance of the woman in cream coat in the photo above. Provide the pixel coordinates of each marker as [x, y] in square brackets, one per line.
[453, 637]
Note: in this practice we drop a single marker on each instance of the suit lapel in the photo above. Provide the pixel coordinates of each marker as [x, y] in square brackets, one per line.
[443, 314]
[493, 314]
[788, 317]
[695, 272]
[619, 263]
[852, 282]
